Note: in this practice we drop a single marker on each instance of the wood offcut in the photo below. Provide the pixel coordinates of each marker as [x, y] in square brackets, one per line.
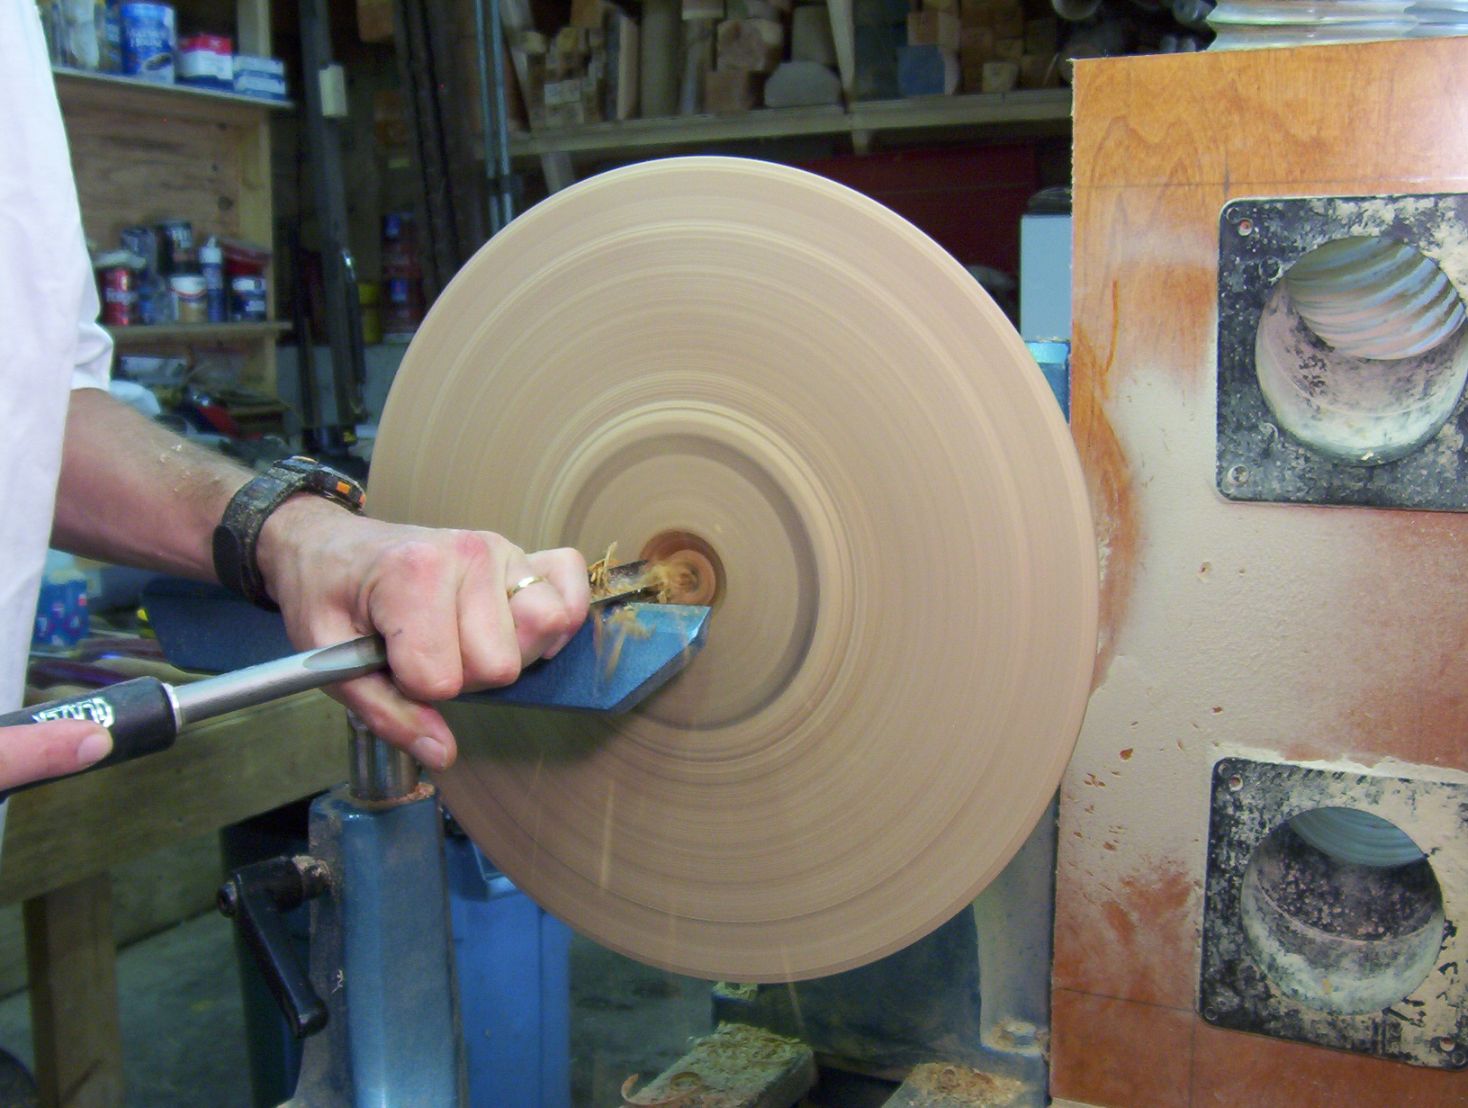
[736, 1067]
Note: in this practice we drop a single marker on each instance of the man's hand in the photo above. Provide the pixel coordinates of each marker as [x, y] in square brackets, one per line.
[134, 493]
[438, 597]
[38, 750]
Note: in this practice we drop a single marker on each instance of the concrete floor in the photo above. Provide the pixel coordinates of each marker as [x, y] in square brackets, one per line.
[183, 1024]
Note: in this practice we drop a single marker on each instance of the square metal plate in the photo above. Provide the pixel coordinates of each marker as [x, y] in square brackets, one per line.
[1427, 1025]
[1259, 239]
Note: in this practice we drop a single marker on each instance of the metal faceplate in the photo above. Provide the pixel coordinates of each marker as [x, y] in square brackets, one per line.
[1426, 1024]
[1257, 458]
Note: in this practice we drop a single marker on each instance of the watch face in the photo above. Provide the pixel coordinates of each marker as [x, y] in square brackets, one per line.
[336, 486]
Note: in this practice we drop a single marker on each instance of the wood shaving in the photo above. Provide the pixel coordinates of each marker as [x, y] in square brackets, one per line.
[600, 573]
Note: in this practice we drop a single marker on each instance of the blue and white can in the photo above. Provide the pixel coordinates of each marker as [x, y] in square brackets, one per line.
[247, 300]
[149, 42]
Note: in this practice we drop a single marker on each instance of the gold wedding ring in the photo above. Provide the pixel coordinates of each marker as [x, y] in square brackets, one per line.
[523, 583]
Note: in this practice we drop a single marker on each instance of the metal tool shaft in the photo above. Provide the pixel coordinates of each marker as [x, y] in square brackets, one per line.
[244, 688]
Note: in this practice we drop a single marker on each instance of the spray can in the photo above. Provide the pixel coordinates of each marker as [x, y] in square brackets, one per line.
[211, 264]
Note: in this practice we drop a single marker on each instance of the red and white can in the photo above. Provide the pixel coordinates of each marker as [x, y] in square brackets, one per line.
[118, 285]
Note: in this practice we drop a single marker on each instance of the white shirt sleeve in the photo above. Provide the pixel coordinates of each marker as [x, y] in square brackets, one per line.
[93, 362]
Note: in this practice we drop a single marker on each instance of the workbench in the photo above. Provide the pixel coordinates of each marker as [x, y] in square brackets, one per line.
[62, 838]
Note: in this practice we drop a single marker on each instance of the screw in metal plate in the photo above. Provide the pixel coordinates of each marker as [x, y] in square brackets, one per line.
[1210, 1014]
[1238, 475]
[1246, 226]
[1235, 783]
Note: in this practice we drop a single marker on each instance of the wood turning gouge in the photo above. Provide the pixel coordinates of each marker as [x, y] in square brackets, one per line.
[145, 715]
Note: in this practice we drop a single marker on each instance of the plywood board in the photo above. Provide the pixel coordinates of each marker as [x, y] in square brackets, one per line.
[1300, 633]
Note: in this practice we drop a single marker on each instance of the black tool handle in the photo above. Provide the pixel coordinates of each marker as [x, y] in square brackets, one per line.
[139, 713]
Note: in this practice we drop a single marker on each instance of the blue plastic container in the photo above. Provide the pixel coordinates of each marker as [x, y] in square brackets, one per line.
[514, 987]
[62, 618]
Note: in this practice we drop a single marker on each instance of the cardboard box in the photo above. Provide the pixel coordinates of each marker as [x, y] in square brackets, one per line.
[730, 91]
[757, 45]
[586, 13]
[1008, 49]
[933, 28]
[1007, 17]
[999, 76]
[975, 45]
[619, 95]
[374, 20]
[810, 35]
[563, 105]
[263, 77]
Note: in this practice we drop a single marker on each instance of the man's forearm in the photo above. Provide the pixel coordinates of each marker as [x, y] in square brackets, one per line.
[134, 493]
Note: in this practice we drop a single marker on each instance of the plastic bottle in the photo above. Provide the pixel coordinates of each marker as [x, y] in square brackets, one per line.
[211, 264]
[61, 610]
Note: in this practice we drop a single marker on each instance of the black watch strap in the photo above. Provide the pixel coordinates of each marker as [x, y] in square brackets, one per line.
[238, 533]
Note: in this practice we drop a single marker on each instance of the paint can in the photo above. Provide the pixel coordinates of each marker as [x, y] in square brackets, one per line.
[117, 286]
[189, 297]
[247, 299]
[206, 61]
[148, 42]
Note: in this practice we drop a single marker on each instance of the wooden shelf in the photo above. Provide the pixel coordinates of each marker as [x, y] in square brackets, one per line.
[985, 114]
[197, 332]
[77, 87]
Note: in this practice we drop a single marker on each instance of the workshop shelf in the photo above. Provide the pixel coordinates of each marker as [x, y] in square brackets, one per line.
[196, 332]
[76, 87]
[979, 115]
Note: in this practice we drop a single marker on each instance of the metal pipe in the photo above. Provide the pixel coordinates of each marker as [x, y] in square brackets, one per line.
[378, 771]
[493, 115]
[491, 156]
[501, 113]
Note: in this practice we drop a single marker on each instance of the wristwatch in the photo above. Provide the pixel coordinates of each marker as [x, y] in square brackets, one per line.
[238, 532]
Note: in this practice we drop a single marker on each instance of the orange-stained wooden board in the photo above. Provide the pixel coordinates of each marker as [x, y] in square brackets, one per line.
[1285, 632]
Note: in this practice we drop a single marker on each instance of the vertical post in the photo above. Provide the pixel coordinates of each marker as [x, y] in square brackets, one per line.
[843, 34]
[378, 771]
[488, 128]
[252, 33]
[72, 962]
[252, 26]
[343, 310]
[506, 198]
